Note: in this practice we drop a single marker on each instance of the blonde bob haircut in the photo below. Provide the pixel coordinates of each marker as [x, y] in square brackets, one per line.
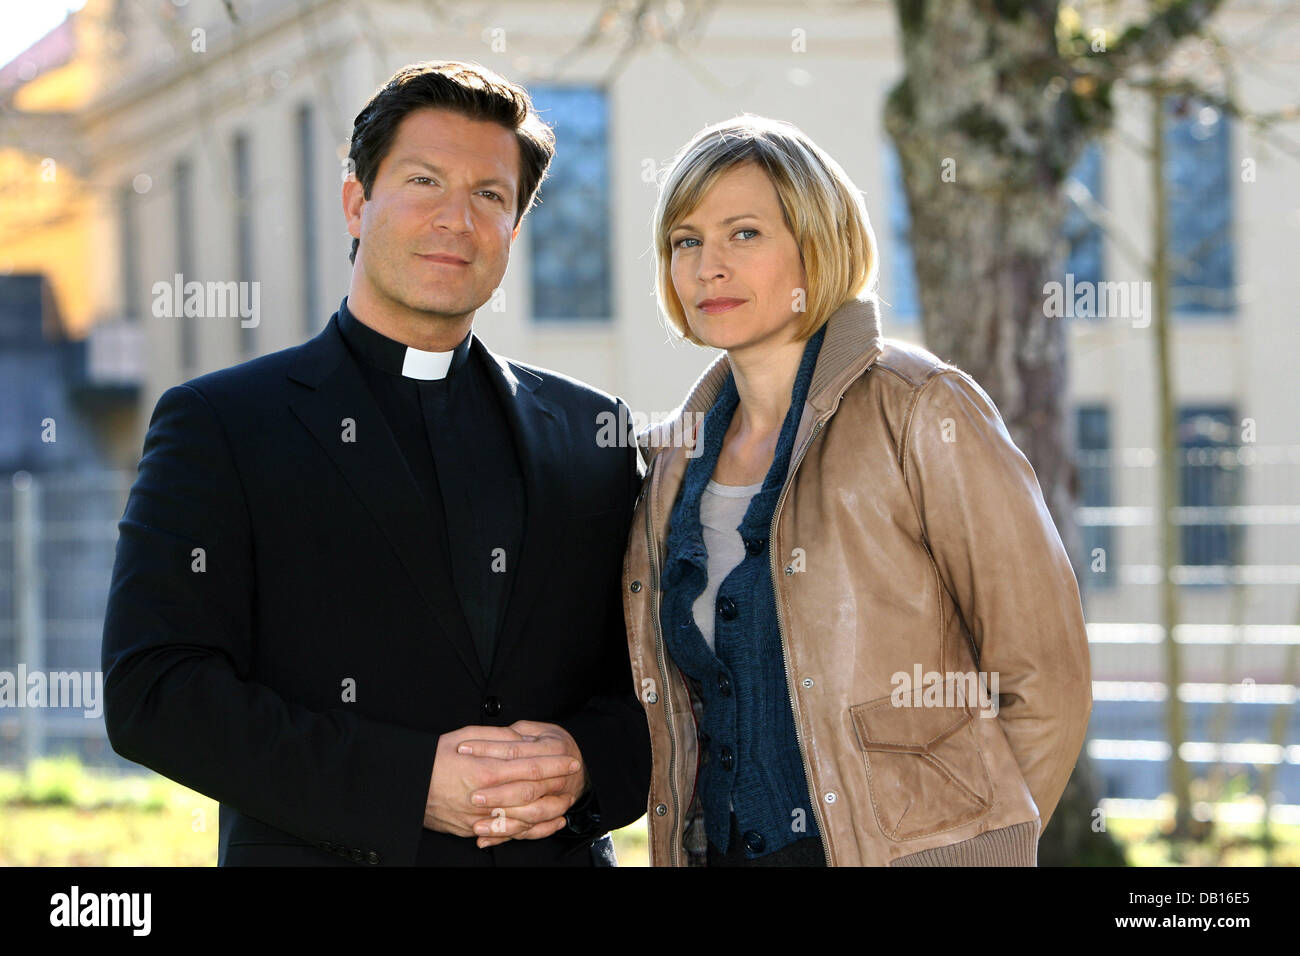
[822, 209]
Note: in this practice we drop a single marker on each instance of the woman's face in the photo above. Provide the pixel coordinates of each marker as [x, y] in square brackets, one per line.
[736, 266]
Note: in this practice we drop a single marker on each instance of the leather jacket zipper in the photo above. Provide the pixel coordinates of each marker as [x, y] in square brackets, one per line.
[674, 847]
[780, 626]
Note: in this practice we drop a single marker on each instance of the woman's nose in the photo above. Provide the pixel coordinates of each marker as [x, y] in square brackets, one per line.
[712, 264]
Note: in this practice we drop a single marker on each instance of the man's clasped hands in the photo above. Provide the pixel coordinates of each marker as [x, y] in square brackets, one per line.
[503, 783]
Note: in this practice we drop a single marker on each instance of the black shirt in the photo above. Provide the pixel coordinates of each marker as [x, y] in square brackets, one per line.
[457, 442]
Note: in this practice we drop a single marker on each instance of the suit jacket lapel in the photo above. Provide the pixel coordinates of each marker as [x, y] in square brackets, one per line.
[376, 470]
[541, 437]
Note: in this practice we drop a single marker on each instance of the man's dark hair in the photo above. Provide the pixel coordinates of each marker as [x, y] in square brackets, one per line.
[472, 91]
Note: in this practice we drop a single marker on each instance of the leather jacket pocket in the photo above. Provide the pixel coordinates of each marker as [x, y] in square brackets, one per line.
[925, 770]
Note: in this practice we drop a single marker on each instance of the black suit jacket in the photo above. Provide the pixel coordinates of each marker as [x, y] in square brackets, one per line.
[282, 632]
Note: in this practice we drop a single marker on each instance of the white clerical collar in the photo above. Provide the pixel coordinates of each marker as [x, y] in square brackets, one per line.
[426, 365]
[376, 349]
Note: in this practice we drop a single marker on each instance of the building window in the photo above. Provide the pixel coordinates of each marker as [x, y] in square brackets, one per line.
[241, 167]
[1209, 480]
[1199, 184]
[569, 231]
[307, 218]
[899, 268]
[1094, 463]
[183, 200]
[129, 259]
[1084, 237]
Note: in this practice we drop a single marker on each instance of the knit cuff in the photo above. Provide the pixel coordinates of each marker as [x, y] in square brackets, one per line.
[1009, 846]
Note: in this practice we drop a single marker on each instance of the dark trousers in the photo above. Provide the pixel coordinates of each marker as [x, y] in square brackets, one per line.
[805, 852]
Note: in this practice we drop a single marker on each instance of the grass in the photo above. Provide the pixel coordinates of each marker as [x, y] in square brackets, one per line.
[1231, 844]
[59, 813]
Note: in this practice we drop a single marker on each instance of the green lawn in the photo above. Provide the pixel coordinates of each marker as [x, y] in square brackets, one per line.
[61, 814]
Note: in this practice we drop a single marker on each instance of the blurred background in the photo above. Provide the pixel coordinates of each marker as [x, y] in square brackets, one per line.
[1143, 156]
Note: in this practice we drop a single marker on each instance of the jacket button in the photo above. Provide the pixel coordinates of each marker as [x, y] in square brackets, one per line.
[651, 697]
[728, 758]
[754, 842]
[372, 857]
[727, 608]
[831, 797]
[634, 587]
[754, 545]
[724, 685]
[789, 569]
[492, 707]
[807, 682]
[660, 810]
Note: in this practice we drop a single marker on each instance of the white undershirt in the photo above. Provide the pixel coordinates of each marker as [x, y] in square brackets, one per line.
[722, 508]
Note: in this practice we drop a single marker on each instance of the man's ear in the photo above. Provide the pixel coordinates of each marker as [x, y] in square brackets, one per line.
[354, 197]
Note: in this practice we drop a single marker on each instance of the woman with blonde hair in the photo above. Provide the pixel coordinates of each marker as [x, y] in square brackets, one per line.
[855, 631]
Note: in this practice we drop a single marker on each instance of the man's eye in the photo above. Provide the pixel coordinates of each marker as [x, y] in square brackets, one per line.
[490, 193]
[425, 178]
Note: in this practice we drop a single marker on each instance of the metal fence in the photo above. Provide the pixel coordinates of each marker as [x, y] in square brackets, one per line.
[58, 534]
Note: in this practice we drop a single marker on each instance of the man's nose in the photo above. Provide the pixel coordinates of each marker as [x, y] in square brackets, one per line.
[454, 212]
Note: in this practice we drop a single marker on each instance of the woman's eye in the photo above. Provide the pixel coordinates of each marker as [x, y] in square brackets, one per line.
[754, 231]
[681, 243]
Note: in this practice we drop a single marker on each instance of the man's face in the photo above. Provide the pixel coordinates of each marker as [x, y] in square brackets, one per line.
[437, 229]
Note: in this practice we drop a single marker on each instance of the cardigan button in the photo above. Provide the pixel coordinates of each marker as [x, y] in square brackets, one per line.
[754, 545]
[727, 609]
[634, 587]
[727, 758]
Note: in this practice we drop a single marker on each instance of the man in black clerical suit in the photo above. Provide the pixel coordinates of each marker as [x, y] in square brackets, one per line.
[367, 590]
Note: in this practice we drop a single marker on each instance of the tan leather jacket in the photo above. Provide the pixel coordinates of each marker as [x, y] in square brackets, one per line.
[911, 537]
